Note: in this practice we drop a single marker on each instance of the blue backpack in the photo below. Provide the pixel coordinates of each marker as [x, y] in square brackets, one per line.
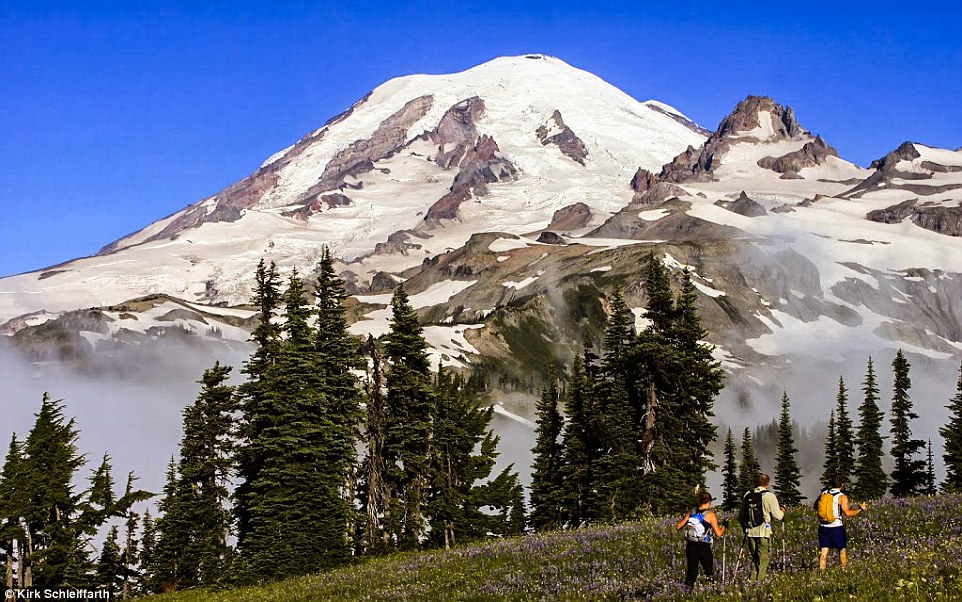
[697, 528]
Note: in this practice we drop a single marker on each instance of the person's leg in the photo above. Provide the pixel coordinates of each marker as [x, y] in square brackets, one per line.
[822, 558]
[843, 558]
[691, 556]
[753, 554]
[708, 561]
[764, 554]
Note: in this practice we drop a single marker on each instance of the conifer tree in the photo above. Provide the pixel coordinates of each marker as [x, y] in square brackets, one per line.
[830, 466]
[546, 483]
[909, 473]
[617, 481]
[929, 485]
[110, 565]
[952, 434]
[730, 494]
[787, 473]
[407, 424]
[374, 492]
[750, 469]
[871, 481]
[144, 583]
[844, 438]
[167, 538]
[578, 444]
[11, 509]
[196, 522]
[338, 355]
[296, 514]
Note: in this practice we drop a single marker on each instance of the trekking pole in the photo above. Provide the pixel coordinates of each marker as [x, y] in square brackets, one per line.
[724, 556]
[783, 545]
[741, 552]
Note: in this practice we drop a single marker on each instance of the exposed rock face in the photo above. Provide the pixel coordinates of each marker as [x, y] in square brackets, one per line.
[905, 152]
[691, 125]
[698, 164]
[550, 238]
[332, 200]
[382, 282]
[649, 190]
[643, 180]
[887, 174]
[558, 133]
[569, 218]
[482, 165]
[743, 205]
[457, 129]
[940, 219]
[812, 154]
[360, 155]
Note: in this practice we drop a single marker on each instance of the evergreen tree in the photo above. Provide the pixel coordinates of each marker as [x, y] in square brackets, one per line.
[167, 538]
[660, 308]
[870, 480]
[952, 434]
[110, 570]
[145, 557]
[294, 508]
[546, 483]
[407, 424]
[844, 438]
[750, 469]
[730, 494]
[929, 486]
[11, 509]
[255, 417]
[908, 475]
[787, 473]
[374, 493]
[578, 442]
[196, 521]
[456, 495]
[338, 355]
[830, 466]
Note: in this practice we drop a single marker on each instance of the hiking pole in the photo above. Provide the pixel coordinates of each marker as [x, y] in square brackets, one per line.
[783, 545]
[724, 557]
[741, 552]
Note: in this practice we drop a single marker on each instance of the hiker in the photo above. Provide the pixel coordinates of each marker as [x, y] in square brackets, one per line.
[758, 525]
[701, 526]
[831, 505]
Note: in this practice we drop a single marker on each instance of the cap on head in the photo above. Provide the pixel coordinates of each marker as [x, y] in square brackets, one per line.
[704, 497]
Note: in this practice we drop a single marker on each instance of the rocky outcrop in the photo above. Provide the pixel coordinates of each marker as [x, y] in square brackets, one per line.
[688, 123]
[643, 180]
[556, 132]
[739, 125]
[937, 218]
[571, 217]
[811, 154]
[330, 201]
[744, 205]
[457, 133]
[649, 190]
[550, 238]
[482, 165]
[914, 181]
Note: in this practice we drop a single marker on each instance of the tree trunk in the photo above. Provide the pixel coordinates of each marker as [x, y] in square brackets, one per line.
[9, 577]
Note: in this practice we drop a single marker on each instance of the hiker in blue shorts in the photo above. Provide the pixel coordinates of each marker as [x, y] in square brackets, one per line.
[831, 505]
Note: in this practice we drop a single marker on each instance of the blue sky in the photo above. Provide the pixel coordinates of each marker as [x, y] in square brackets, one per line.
[113, 115]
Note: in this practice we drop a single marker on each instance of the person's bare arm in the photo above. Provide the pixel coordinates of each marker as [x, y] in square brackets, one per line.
[681, 523]
[843, 504]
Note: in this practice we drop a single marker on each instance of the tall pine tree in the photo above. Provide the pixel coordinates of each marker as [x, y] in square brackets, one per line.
[952, 435]
[409, 405]
[787, 473]
[830, 465]
[730, 490]
[579, 446]
[908, 475]
[844, 437]
[871, 481]
[546, 483]
[750, 469]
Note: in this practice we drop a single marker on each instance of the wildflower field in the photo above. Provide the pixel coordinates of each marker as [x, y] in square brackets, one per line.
[907, 549]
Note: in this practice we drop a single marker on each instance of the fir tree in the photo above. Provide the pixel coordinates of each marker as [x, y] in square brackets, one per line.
[196, 522]
[730, 494]
[407, 424]
[546, 483]
[11, 509]
[909, 473]
[929, 486]
[110, 570]
[578, 442]
[844, 442]
[952, 434]
[294, 507]
[787, 473]
[750, 469]
[145, 557]
[830, 466]
[375, 493]
[870, 480]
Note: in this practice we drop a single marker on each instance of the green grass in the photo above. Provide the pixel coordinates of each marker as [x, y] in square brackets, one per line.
[900, 550]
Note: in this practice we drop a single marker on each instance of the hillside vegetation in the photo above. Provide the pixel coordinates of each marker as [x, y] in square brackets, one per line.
[902, 549]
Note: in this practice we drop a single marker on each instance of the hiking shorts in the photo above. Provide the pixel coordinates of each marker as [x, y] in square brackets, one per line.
[832, 537]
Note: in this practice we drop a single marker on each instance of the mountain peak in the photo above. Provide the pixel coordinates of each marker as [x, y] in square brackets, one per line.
[762, 118]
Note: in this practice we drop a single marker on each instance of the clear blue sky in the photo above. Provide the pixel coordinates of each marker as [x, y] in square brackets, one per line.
[115, 114]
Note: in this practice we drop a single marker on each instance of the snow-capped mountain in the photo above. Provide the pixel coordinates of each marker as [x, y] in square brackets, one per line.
[513, 198]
